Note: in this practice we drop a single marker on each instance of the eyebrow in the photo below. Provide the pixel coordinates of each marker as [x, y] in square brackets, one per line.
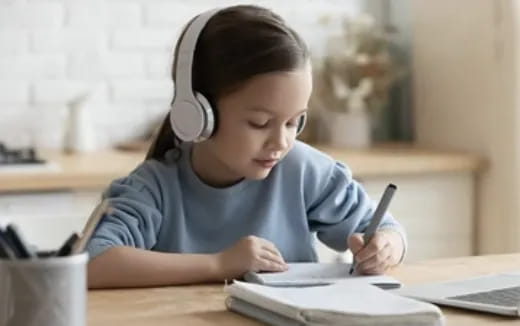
[264, 110]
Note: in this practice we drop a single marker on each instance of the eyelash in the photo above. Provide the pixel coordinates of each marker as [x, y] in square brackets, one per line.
[291, 124]
[258, 126]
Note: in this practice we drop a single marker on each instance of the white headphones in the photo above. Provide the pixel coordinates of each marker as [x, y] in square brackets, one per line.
[191, 116]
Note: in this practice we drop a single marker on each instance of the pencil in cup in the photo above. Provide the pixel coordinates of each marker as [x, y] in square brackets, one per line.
[377, 217]
[93, 221]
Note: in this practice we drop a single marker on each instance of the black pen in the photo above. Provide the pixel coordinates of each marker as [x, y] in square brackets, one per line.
[8, 243]
[379, 213]
[17, 242]
[66, 248]
[5, 249]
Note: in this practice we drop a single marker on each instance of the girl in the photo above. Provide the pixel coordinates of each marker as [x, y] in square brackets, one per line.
[250, 197]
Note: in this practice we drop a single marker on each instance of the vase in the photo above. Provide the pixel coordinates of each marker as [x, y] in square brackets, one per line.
[350, 129]
[80, 136]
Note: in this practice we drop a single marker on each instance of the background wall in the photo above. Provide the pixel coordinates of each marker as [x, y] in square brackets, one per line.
[52, 51]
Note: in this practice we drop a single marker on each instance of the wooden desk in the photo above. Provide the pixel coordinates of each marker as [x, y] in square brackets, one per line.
[204, 305]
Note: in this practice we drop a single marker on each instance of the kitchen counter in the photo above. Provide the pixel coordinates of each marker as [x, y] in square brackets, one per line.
[73, 171]
[97, 170]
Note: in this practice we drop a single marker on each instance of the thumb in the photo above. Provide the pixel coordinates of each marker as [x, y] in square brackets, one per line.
[355, 242]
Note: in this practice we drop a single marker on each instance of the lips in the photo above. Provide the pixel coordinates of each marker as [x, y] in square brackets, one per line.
[269, 163]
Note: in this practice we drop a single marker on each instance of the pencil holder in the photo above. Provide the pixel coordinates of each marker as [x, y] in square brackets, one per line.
[44, 291]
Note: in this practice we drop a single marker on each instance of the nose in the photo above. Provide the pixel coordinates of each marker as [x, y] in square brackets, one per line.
[278, 140]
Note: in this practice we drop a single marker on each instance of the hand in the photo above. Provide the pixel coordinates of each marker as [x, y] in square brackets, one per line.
[250, 254]
[382, 252]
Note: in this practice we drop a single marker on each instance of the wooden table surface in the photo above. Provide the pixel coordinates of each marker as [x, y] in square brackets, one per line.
[204, 304]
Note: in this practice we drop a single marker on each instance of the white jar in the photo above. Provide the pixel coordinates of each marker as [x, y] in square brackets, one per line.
[349, 129]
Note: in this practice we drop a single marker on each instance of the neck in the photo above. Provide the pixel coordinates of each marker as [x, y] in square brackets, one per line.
[210, 169]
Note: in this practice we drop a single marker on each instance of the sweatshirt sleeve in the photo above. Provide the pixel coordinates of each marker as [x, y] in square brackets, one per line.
[136, 216]
[342, 207]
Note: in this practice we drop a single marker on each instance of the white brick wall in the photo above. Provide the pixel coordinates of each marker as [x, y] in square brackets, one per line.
[13, 41]
[18, 14]
[68, 40]
[14, 92]
[52, 51]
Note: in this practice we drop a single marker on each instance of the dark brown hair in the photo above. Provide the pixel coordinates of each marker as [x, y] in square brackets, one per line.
[236, 44]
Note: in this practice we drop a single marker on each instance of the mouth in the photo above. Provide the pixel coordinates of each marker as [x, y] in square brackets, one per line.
[269, 163]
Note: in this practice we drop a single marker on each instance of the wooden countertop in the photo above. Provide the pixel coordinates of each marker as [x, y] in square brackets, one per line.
[74, 171]
[403, 159]
[96, 170]
[204, 304]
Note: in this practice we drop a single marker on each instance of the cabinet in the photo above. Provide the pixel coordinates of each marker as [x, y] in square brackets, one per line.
[435, 209]
[46, 219]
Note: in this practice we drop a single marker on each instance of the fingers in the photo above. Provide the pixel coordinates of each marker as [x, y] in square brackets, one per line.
[378, 242]
[376, 256]
[266, 265]
[269, 246]
[266, 261]
[269, 258]
[355, 243]
[378, 263]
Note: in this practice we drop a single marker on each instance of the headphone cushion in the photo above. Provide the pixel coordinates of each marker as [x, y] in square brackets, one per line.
[301, 123]
[209, 116]
[187, 120]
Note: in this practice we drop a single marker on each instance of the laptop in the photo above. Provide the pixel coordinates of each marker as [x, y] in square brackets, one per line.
[496, 293]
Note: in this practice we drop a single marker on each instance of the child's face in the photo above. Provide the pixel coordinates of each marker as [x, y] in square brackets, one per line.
[258, 122]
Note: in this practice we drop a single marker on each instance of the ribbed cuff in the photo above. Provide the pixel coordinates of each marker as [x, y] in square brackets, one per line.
[95, 248]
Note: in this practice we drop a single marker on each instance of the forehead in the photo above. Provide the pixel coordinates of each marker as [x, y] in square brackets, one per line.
[276, 91]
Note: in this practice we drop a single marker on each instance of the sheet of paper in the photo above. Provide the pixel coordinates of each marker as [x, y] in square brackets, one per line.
[307, 274]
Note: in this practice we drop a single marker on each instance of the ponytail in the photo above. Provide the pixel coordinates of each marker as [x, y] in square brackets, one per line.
[163, 141]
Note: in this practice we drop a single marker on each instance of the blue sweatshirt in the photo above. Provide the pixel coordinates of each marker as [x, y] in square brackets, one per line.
[164, 206]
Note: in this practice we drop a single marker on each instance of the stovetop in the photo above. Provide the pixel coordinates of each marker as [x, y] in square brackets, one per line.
[24, 156]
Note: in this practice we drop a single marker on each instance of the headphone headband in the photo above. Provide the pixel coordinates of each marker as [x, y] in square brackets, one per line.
[191, 115]
[184, 60]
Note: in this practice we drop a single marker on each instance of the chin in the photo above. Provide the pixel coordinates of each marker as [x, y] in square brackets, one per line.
[258, 174]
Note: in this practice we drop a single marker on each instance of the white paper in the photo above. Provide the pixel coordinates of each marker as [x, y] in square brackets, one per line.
[308, 274]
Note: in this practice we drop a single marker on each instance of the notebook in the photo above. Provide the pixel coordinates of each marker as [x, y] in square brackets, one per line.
[347, 302]
[311, 274]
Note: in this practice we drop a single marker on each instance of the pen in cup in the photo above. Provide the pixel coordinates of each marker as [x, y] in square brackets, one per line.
[6, 251]
[66, 248]
[377, 217]
[16, 242]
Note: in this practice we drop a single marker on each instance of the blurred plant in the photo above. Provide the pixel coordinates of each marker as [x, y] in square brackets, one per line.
[357, 71]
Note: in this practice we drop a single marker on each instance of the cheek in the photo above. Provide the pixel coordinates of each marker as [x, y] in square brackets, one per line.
[290, 143]
[238, 137]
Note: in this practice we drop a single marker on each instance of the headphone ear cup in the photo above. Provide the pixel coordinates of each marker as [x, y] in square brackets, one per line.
[209, 117]
[187, 120]
[301, 123]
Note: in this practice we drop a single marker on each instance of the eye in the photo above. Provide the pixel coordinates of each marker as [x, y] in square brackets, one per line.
[257, 124]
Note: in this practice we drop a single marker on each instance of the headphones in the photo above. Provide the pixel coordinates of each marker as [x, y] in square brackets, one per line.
[191, 116]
